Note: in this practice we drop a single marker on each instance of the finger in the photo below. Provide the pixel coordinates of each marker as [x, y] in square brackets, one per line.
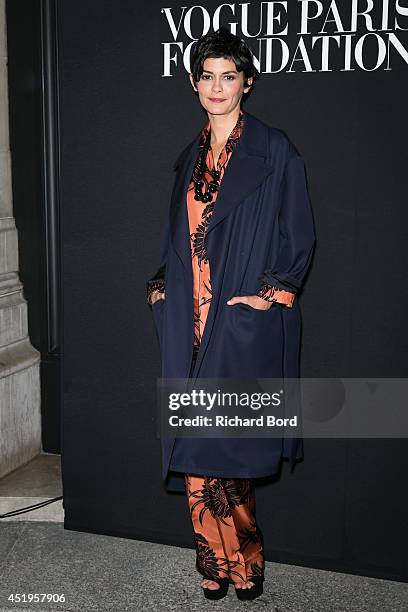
[238, 299]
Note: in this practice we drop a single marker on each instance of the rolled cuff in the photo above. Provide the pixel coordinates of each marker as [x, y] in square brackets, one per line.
[154, 286]
[271, 293]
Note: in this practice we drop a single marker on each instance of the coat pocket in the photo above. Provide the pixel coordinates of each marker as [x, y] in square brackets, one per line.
[245, 291]
[254, 322]
[253, 340]
[255, 310]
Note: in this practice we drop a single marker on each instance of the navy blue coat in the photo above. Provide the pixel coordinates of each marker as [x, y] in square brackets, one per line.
[261, 230]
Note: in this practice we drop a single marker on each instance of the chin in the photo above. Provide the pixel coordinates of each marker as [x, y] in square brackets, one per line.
[215, 108]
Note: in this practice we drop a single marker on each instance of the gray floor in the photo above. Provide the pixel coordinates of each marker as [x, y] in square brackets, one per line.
[97, 572]
[31, 483]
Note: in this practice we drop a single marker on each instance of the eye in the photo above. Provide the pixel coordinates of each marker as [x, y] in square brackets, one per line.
[230, 77]
[205, 77]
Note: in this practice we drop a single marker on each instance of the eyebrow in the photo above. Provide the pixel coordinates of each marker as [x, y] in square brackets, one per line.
[226, 72]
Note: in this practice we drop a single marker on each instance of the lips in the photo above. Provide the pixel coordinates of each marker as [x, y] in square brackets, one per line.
[217, 99]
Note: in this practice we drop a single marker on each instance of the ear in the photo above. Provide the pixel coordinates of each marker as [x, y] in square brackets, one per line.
[250, 81]
[192, 82]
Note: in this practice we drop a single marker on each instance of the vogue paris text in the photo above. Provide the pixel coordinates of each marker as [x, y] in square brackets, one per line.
[296, 35]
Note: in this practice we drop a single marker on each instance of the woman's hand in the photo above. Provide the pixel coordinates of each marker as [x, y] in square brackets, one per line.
[157, 295]
[252, 300]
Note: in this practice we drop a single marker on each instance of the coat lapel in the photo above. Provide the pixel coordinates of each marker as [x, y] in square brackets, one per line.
[245, 171]
[179, 227]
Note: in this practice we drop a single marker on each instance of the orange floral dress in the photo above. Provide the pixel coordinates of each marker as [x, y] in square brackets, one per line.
[227, 538]
[199, 215]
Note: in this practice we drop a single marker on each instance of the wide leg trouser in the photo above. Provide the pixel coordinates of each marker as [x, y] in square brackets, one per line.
[227, 538]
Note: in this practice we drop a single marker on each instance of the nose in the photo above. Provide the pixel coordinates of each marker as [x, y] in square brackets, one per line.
[217, 84]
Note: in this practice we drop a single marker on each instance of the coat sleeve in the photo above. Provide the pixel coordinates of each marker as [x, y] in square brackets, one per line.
[283, 281]
[157, 283]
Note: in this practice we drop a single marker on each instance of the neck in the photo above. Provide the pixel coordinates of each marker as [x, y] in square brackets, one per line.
[222, 126]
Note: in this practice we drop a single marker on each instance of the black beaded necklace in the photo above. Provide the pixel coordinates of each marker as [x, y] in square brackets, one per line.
[213, 185]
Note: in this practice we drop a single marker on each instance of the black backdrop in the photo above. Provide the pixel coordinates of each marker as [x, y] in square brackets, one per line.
[122, 126]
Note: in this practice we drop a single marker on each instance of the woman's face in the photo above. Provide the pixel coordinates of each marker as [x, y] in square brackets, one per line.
[220, 87]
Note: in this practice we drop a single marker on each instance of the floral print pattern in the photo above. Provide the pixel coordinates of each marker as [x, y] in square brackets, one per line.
[199, 215]
[227, 539]
[273, 294]
[154, 287]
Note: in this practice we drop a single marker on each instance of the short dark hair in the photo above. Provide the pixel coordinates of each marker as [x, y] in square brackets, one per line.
[223, 44]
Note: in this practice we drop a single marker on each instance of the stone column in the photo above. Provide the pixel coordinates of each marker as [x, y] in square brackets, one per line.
[20, 417]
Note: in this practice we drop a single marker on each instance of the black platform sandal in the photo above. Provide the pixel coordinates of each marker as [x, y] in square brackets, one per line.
[217, 593]
[254, 591]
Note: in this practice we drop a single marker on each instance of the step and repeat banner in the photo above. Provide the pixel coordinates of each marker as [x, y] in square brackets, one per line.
[333, 77]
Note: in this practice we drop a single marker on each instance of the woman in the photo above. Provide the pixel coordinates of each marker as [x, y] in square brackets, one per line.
[235, 252]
